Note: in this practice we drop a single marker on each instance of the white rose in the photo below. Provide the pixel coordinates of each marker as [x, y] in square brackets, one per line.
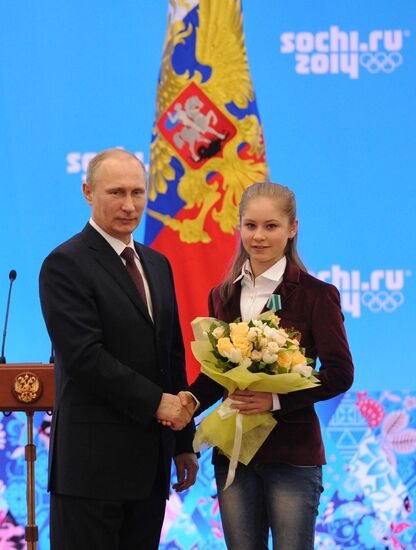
[218, 332]
[270, 333]
[281, 337]
[264, 342]
[272, 347]
[304, 370]
[235, 356]
[246, 363]
[256, 355]
[269, 358]
[253, 334]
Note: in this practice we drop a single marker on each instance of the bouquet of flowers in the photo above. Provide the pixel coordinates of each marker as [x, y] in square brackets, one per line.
[258, 355]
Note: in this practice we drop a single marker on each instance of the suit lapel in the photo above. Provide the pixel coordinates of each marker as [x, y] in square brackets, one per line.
[232, 308]
[108, 259]
[289, 283]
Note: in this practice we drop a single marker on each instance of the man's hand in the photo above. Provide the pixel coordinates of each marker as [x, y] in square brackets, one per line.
[172, 413]
[189, 405]
[186, 470]
[188, 401]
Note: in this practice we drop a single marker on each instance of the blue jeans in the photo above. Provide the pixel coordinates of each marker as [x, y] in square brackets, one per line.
[280, 496]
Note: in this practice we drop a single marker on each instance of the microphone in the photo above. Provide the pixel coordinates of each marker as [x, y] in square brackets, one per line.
[52, 357]
[12, 277]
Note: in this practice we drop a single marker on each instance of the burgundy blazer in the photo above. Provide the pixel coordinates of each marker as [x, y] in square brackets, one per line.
[312, 307]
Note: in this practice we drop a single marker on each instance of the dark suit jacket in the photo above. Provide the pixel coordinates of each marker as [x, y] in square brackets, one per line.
[112, 365]
[312, 307]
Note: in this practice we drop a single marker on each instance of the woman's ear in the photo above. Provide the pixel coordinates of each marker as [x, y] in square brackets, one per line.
[293, 229]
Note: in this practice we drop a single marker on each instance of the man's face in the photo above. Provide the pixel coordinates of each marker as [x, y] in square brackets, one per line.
[118, 196]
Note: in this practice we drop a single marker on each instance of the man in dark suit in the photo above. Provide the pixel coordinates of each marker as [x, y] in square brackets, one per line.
[110, 309]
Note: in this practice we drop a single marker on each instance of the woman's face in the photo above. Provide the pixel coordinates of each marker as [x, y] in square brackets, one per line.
[265, 230]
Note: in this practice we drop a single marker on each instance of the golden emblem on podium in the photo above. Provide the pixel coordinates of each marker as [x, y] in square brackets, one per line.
[27, 387]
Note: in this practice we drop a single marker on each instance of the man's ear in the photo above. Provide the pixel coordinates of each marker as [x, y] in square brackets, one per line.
[87, 192]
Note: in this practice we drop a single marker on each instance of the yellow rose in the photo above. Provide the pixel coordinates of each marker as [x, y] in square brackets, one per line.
[298, 358]
[275, 320]
[238, 330]
[243, 345]
[294, 342]
[224, 346]
[284, 359]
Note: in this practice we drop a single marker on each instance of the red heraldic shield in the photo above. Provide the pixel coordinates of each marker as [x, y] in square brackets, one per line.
[195, 127]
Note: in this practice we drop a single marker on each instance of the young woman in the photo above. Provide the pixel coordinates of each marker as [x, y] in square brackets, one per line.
[281, 486]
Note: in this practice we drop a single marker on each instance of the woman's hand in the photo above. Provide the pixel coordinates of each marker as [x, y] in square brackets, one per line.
[252, 402]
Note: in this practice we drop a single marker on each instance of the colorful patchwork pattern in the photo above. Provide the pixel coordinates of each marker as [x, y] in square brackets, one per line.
[369, 482]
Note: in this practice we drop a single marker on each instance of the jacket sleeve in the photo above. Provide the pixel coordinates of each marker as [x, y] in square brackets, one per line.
[206, 390]
[183, 438]
[328, 332]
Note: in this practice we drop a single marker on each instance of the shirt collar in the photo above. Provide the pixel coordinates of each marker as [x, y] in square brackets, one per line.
[274, 273]
[117, 245]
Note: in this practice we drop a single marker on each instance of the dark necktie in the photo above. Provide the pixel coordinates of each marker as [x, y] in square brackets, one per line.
[128, 256]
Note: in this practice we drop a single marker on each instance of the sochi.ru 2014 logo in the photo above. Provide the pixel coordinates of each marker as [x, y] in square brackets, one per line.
[382, 292]
[340, 52]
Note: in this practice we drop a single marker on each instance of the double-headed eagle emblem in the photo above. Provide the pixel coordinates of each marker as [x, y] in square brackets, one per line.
[27, 387]
[207, 138]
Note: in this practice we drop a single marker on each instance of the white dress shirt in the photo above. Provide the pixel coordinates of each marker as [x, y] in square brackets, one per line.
[255, 293]
[118, 246]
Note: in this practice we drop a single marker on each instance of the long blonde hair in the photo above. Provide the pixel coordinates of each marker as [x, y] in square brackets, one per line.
[287, 203]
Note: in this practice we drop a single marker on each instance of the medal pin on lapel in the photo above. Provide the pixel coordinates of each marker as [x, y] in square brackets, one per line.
[274, 303]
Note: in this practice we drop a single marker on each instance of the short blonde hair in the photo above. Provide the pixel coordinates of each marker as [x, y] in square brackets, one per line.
[96, 161]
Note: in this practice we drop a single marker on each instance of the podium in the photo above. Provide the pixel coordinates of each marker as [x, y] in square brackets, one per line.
[28, 387]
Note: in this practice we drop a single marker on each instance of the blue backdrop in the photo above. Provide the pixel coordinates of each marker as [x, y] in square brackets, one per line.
[335, 85]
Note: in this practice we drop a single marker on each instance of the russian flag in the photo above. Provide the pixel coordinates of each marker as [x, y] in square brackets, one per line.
[207, 147]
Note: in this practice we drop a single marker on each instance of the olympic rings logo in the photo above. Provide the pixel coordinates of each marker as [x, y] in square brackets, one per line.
[381, 61]
[382, 301]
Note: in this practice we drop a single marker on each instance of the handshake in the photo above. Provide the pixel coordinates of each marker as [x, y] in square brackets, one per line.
[176, 411]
